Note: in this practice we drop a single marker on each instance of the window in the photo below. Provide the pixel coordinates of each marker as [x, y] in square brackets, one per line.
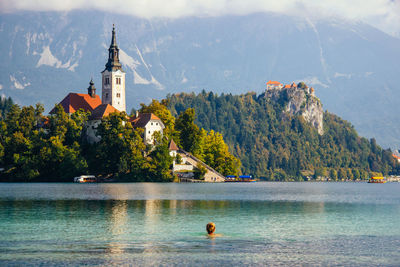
[156, 123]
[106, 95]
[107, 81]
[149, 132]
[118, 95]
[118, 80]
[151, 123]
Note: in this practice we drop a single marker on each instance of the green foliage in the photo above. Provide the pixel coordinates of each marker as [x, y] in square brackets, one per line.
[200, 171]
[160, 170]
[5, 106]
[302, 85]
[189, 132]
[161, 111]
[33, 150]
[121, 153]
[273, 144]
[215, 153]
[54, 148]
[207, 146]
[178, 158]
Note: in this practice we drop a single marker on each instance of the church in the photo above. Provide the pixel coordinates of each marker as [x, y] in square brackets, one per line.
[112, 99]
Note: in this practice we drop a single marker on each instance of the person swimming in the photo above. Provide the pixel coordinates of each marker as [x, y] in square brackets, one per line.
[210, 228]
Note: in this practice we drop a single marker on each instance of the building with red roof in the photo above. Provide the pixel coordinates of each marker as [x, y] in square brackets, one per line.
[102, 111]
[274, 85]
[150, 123]
[113, 100]
[99, 113]
[74, 101]
[396, 157]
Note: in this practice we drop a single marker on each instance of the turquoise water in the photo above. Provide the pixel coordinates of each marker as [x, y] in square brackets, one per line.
[283, 224]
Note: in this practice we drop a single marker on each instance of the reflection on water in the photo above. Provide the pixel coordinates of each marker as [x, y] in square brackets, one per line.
[118, 224]
[118, 227]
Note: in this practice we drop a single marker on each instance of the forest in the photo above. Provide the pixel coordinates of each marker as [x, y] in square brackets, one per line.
[234, 134]
[54, 148]
[281, 147]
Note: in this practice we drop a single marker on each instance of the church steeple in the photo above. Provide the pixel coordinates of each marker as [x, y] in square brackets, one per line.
[91, 89]
[113, 54]
[113, 78]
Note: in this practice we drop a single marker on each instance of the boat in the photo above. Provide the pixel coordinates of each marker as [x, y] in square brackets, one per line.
[377, 180]
[240, 179]
[230, 179]
[246, 178]
[85, 179]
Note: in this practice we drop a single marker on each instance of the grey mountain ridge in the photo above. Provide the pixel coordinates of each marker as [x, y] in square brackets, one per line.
[353, 67]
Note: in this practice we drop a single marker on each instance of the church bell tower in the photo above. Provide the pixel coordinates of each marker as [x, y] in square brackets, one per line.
[113, 78]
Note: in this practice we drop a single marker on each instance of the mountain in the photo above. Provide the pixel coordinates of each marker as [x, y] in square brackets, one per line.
[353, 67]
[284, 134]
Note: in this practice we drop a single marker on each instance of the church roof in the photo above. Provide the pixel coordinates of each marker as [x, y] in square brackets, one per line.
[172, 145]
[73, 101]
[102, 111]
[113, 63]
[143, 119]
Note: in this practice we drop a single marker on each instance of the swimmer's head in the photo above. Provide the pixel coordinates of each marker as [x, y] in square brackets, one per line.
[210, 228]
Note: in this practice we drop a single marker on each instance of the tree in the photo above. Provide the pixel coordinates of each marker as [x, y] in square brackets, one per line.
[161, 162]
[188, 131]
[5, 106]
[333, 174]
[161, 111]
[200, 171]
[216, 154]
[342, 174]
[111, 153]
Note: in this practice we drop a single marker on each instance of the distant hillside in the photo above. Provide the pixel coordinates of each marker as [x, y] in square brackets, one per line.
[356, 67]
[273, 140]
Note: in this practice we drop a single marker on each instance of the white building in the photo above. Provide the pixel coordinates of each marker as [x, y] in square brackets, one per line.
[150, 123]
[188, 165]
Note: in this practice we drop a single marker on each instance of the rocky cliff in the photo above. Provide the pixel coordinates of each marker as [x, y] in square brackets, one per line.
[300, 100]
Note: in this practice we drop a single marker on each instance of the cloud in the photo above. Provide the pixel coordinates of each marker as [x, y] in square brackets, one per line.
[383, 14]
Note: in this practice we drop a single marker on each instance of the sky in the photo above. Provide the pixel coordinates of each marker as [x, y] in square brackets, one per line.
[382, 14]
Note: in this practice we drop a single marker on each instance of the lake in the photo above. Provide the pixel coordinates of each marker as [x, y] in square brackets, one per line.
[147, 224]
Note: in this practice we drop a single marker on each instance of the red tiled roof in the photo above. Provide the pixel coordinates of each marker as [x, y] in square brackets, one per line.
[396, 157]
[172, 145]
[143, 119]
[102, 111]
[73, 101]
[287, 86]
[273, 83]
[294, 85]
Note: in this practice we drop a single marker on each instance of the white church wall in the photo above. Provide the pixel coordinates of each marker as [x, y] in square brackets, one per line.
[151, 127]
